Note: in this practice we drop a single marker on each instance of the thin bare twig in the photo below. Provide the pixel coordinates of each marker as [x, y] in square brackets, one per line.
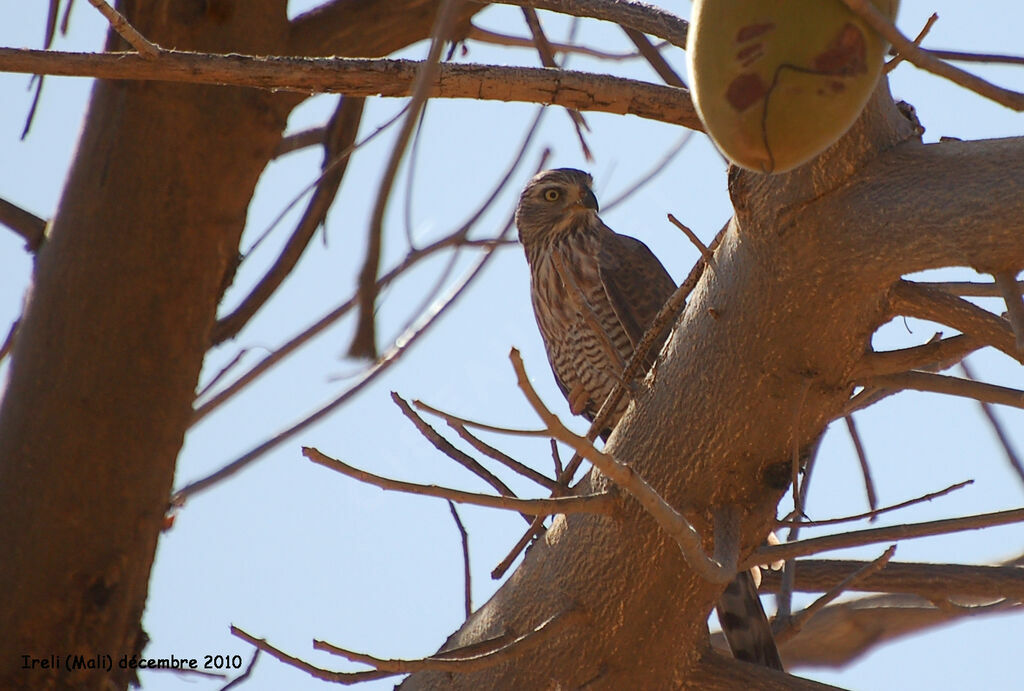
[467, 588]
[364, 341]
[401, 346]
[654, 57]
[626, 477]
[655, 170]
[997, 427]
[547, 58]
[859, 538]
[25, 223]
[582, 503]
[894, 63]
[454, 239]
[961, 56]
[449, 450]
[796, 622]
[129, 33]
[477, 33]
[707, 254]
[222, 372]
[503, 458]
[240, 679]
[556, 458]
[865, 469]
[876, 512]
[881, 24]
[543, 633]
[641, 16]
[315, 672]
[338, 145]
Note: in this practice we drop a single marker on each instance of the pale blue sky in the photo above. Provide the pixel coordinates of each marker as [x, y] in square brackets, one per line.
[291, 552]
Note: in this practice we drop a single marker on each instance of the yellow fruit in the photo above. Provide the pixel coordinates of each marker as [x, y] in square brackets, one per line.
[778, 81]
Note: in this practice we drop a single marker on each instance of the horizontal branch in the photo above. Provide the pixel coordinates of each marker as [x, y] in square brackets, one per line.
[945, 350]
[953, 386]
[588, 503]
[640, 16]
[932, 581]
[859, 538]
[465, 663]
[372, 77]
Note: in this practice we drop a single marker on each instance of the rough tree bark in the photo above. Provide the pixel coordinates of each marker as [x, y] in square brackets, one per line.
[124, 295]
[758, 365]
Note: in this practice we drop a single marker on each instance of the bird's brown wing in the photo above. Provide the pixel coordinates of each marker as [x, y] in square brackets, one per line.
[636, 283]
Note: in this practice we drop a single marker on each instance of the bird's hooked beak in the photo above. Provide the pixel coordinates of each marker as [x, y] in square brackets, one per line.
[588, 201]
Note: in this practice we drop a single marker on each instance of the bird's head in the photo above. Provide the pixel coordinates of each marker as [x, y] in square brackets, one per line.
[554, 202]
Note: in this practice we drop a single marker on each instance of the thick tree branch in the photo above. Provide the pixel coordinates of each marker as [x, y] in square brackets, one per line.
[932, 581]
[924, 302]
[366, 77]
[857, 538]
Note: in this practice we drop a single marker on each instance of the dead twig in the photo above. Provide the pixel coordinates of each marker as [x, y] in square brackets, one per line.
[641, 16]
[584, 503]
[125, 30]
[894, 63]
[338, 144]
[315, 672]
[859, 538]
[865, 469]
[446, 662]
[364, 341]
[923, 59]
[449, 450]
[654, 57]
[874, 513]
[503, 458]
[997, 427]
[477, 33]
[401, 345]
[467, 588]
[796, 622]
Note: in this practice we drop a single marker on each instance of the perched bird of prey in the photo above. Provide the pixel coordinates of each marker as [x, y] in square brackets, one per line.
[594, 293]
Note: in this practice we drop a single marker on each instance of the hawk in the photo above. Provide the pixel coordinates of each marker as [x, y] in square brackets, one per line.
[594, 293]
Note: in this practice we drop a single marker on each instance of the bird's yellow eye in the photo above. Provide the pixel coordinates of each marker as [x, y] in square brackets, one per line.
[552, 195]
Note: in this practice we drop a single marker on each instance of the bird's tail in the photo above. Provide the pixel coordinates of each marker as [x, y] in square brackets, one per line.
[745, 624]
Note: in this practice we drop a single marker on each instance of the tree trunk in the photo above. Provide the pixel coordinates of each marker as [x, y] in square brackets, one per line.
[117, 323]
